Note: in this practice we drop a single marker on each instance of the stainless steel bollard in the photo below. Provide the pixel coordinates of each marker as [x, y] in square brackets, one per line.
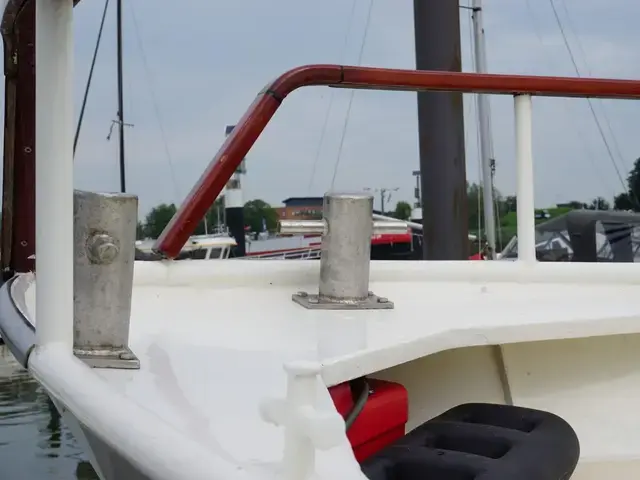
[346, 248]
[104, 244]
[347, 227]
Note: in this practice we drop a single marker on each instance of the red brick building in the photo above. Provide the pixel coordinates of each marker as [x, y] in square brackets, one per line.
[301, 208]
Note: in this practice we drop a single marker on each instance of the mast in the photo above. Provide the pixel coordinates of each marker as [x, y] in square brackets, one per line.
[123, 183]
[441, 134]
[484, 122]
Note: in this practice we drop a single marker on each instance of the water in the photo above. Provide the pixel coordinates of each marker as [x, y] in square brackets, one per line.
[34, 444]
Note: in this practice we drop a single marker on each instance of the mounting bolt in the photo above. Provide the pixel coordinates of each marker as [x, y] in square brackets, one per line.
[102, 249]
[383, 300]
[303, 294]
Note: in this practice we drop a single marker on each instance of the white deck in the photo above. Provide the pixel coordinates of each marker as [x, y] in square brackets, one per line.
[212, 344]
[259, 317]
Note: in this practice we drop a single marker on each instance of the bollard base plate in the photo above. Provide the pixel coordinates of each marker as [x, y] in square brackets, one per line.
[120, 358]
[313, 302]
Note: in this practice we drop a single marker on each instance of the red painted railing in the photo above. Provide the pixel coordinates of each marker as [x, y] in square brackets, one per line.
[254, 121]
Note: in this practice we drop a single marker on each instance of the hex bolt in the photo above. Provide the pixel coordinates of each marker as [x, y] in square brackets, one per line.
[102, 249]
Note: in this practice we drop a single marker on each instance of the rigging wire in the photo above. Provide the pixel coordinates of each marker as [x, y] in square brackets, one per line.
[492, 156]
[351, 95]
[325, 123]
[593, 112]
[605, 116]
[154, 101]
[583, 141]
[474, 114]
[90, 77]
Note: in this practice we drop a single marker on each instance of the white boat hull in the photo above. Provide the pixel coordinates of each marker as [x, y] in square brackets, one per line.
[108, 462]
[567, 377]
[183, 413]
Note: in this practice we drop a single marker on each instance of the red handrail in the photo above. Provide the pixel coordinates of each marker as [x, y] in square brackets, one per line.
[254, 121]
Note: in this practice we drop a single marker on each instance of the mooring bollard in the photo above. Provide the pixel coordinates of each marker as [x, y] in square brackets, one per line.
[104, 245]
[346, 230]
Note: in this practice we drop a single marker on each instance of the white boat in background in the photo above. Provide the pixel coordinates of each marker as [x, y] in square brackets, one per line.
[399, 244]
[221, 247]
[339, 369]
[385, 246]
[198, 247]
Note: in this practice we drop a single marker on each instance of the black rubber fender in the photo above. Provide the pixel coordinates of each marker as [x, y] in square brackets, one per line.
[480, 441]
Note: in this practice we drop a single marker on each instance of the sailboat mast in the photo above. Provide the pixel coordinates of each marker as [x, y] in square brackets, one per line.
[441, 134]
[123, 184]
[484, 121]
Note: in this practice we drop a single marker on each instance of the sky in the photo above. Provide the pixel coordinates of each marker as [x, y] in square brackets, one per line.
[191, 72]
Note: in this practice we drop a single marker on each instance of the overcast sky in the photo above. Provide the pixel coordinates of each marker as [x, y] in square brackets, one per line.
[193, 70]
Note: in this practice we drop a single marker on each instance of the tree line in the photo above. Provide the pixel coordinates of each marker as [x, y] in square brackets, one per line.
[257, 212]
[628, 200]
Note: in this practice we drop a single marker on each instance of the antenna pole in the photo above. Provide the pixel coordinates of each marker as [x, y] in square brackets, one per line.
[121, 125]
[384, 198]
[484, 121]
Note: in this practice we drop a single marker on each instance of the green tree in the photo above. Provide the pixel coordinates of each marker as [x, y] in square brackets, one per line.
[157, 219]
[510, 204]
[630, 200]
[402, 211]
[256, 211]
[633, 183]
[160, 215]
[140, 232]
[576, 205]
[502, 206]
[599, 203]
[475, 207]
[623, 202]
[212, 218]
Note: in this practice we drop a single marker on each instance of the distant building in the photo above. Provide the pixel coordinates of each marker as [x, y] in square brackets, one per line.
[301, 208]
[306, 208]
